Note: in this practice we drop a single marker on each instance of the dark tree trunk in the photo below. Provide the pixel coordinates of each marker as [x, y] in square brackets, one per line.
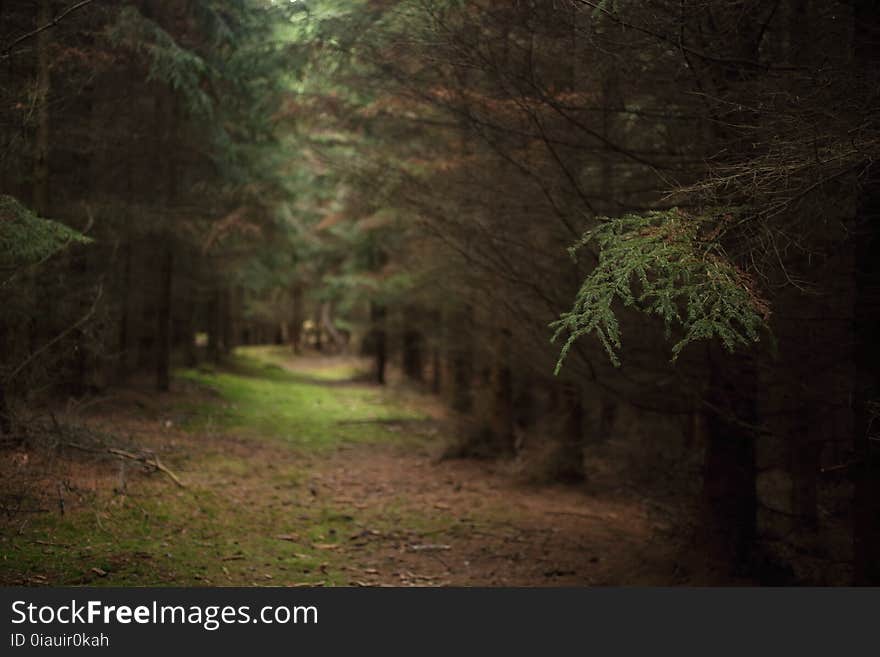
[729, 477]
[166, 110]
[413, 347]
[163, 327]
[81, 366]
[436, 370]
[128, 341]
[5, 417]
[126, 344]
[41, 140]
[319, 331]
[215, 321]
[866, 530]
[228, 311]
[379, 340]
[501, 422]
[462, 362]
[437, 319]
[296, 320]
[866, 526]
[188, 330]
[607, 417]
[570, 465]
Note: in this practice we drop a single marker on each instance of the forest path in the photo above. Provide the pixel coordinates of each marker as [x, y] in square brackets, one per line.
[297, 475]
[412, 518]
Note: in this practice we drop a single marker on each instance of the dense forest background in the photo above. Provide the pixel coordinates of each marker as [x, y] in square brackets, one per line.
[682, 194]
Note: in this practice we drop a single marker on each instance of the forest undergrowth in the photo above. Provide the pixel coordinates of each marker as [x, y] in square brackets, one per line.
[291, 472]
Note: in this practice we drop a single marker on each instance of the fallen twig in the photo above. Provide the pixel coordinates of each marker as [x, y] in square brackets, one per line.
[147, 459]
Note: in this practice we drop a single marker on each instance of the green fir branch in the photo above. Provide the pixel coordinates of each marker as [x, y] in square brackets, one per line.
[665, 264]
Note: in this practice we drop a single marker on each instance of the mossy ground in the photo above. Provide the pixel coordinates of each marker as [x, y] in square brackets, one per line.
[316, 408]
[297, 472]
[247, 516]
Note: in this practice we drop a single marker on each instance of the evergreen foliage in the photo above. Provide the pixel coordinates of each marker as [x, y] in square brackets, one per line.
[27, 239]
[182, 69]
[664, 263]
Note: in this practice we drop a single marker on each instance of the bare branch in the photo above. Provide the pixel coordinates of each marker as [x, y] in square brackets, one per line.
[6, 52]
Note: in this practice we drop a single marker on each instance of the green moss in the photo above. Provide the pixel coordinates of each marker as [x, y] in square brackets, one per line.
[309, 409]
[244, 519]
[191, 538]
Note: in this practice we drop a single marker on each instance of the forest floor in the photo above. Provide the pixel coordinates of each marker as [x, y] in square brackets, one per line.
[297, 473]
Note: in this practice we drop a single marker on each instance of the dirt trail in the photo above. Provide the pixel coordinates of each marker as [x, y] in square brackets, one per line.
[496, 531]
[268, 503]
[488, 527]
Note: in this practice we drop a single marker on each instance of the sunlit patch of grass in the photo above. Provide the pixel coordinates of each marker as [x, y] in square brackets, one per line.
[262, 398]
[315, 369]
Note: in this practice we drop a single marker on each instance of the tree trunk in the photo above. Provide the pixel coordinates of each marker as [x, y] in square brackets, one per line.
[166, 110]
[866, 528]
[379, 340]
[607, 417]
[328, 323]
[5, 416]
[866, 525]
[41, 141]
[729, 477]
[215, 321]
[570, 464]
[439, 337]
[462, 362]
[413, 345]
[188, 330]
[296, 321]
[128, 341]
[436, 370]
[319, 332]
[163, 328]
[501, 422]
[230, 302]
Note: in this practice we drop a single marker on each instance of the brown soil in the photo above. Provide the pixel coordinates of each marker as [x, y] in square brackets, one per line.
[499, 532]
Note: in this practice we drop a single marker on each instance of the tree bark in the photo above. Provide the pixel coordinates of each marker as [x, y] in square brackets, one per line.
[5, 416]
[296, 321]
[163, 328]
[570, 465]
[329, 324]
[379, 340]
[866, 525]
[413, 347]
[215, 321]
[41, 141]
[501, 421]
[729, 478]
[462, 362]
